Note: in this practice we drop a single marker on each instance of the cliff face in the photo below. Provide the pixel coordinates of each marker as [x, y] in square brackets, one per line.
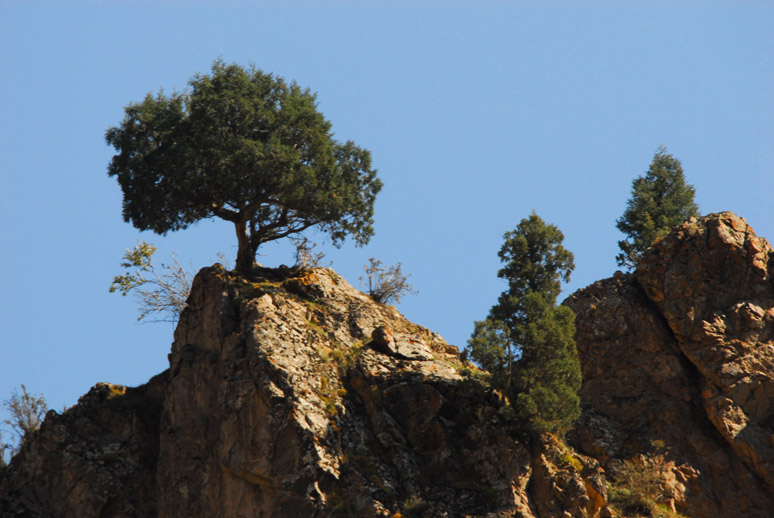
[678, 364]
[97, 459]
[277, 403]
[294, 394]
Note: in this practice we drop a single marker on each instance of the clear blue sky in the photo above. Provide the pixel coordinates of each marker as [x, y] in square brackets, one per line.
[476, 113]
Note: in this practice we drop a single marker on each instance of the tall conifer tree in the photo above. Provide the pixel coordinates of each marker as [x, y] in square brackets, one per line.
[527, 343]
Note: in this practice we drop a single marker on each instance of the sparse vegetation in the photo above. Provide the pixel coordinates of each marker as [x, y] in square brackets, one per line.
[414, 507]
[386, 285]
[571, 460]
[329, 395]
[638, 488]
[341, 358]
[27, 413]
[162, 291]
[306, 257]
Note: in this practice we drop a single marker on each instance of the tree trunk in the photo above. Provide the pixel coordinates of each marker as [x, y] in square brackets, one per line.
[245, 262]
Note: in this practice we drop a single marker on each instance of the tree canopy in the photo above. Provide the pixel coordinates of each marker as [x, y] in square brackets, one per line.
[247, 147]
[660, 201]
[527, 342]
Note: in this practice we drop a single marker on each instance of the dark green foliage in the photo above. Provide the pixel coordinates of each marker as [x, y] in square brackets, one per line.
[491, 347]
[527, 343]
[549, 372]
[535, 262]
[660, 201]
[247, 147]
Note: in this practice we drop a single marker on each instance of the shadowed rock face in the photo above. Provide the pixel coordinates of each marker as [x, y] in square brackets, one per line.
[278, 403]
[680, 357]
[97, 459]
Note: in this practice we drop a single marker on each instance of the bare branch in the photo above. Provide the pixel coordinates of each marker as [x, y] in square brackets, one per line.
[169, 286]
[305, 257]
[387, 285]
[27, 414]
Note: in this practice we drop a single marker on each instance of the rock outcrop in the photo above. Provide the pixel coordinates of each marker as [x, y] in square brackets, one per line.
[98, 459]
[678, 364]
[293, 394]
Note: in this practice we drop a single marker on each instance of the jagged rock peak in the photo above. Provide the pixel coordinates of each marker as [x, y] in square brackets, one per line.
[713, 281]
[678, 365]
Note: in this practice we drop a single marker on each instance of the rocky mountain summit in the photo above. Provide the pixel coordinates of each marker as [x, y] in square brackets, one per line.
[292, 394]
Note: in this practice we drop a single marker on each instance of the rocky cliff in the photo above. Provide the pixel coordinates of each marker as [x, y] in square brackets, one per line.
[678, 368]
[292, 394]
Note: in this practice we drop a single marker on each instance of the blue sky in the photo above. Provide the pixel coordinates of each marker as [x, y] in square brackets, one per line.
[475, 113]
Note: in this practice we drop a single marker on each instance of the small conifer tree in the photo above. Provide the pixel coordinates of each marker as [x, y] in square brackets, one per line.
[660, 201]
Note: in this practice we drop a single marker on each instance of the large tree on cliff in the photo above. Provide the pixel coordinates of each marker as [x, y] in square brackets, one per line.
[528, 342]
[660, 201]
[247, 147]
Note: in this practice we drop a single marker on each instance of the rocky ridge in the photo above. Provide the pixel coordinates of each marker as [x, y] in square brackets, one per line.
[293, 394]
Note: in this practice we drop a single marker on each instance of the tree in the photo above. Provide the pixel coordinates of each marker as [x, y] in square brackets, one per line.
[247, 147]
[527, 343]
[27, 413]
[535, 262]
[661, 200]
[169, 287]
[549, 373]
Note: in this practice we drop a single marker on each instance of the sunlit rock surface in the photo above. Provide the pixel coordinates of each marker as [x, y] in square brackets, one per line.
[292, 394]
[679, 359]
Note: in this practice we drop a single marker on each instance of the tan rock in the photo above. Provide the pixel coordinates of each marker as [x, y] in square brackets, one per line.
[293, 394]
[274, 406]
[722, 328]
[682, 356]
